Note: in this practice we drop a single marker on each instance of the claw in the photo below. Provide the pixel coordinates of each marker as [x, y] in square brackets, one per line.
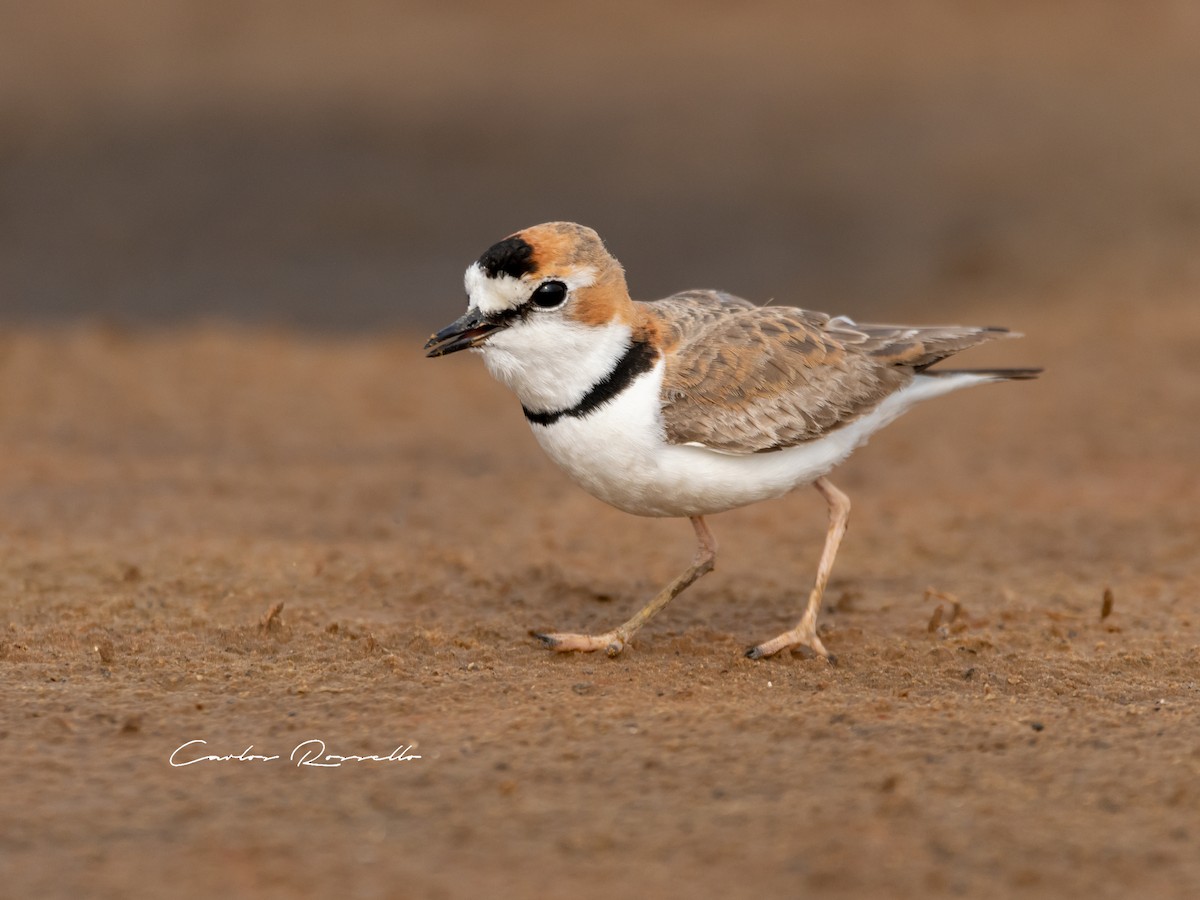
[810, 648]
[547, 640]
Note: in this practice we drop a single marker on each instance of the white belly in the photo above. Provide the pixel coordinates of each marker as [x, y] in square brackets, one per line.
[618, 453]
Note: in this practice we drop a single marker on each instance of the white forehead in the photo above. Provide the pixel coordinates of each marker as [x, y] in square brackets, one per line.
[491, 295]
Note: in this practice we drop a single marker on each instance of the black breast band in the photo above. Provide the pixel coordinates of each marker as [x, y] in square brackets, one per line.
[638, 358]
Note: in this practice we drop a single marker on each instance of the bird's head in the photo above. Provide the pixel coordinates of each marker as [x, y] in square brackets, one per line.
[536, 288]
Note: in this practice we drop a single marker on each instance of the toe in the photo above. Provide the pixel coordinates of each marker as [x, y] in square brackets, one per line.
[548, 640]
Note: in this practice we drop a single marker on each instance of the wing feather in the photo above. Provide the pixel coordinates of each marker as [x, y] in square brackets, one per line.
[747, 379]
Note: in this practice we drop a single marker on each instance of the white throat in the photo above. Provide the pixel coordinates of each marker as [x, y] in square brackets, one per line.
[550, 363]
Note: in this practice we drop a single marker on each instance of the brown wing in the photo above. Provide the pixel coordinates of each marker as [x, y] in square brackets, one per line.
[744, 379]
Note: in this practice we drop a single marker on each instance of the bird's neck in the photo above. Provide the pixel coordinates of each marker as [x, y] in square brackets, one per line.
[552, 366]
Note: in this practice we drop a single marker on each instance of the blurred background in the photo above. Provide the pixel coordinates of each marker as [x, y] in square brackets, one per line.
[336, 166]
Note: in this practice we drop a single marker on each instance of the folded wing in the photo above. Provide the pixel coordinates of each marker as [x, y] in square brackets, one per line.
[749, 379]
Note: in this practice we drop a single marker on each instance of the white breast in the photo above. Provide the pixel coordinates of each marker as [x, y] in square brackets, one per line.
[619, 455]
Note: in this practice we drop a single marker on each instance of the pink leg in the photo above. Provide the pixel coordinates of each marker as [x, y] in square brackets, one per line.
[613, 642]
[805, 633]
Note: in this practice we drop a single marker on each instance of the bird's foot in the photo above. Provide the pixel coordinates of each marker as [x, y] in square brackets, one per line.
[803, 635]
[611, 642]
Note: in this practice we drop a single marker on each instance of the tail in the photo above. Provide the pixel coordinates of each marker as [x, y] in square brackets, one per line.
[918, 347]
[990, 374]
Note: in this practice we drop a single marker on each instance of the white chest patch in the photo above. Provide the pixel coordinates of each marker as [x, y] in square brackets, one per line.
[612, 452]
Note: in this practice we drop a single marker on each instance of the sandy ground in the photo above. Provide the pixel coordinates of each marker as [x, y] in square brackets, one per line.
[163, 490]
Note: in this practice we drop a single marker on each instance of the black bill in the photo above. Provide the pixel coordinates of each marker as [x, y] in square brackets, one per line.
[469, 331]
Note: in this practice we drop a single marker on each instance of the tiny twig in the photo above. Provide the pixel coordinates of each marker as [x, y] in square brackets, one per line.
[1106, 606]
[271, 619]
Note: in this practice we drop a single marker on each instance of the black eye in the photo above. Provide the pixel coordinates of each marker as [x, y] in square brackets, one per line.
[550, 294]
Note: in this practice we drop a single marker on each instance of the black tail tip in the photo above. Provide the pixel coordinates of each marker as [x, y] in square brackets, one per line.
[1018, 374]
[998, 374]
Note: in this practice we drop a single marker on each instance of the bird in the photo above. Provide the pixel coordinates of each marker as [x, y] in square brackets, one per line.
[694, 404]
